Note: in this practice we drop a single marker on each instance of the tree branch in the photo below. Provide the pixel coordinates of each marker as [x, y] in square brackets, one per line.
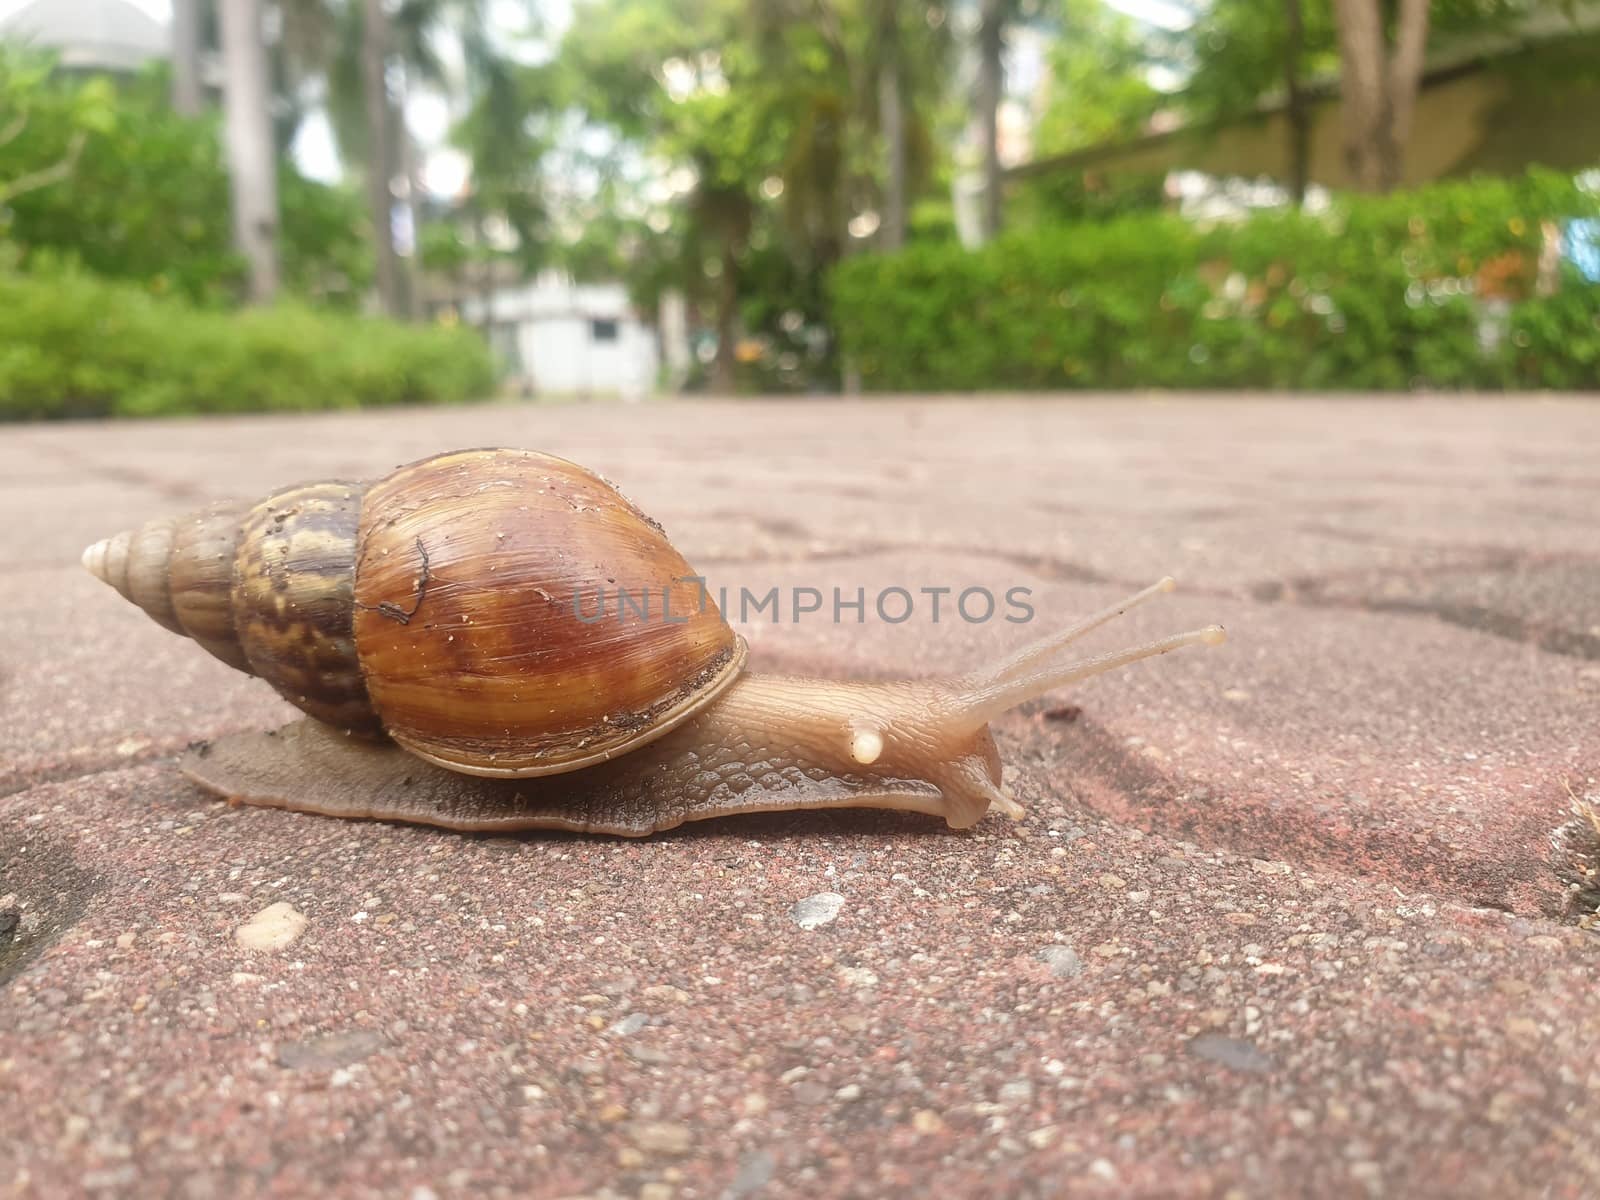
[45, 176]
[14, 130]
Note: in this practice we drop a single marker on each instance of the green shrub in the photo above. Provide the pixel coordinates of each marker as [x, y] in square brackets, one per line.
[1380, 292]
[141, 193]
[72, 345]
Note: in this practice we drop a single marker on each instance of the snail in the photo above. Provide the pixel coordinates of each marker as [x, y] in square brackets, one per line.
[430, 626]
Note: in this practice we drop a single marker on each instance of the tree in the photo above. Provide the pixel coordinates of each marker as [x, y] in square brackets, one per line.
[1099, 67]
[367, 55]
[503, 136]
[850, 84]
[1244, 52]
[1241, 52]
[684, 84]
[25, 98]
[112, 177]
[381, 157]
[186, 91]
[1296, 110]
[796, 120]
[892, 122]
[1380, 71]
[252, 159]
[993, 15]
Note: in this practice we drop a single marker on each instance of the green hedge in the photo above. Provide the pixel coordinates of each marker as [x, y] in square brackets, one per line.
[1380, 292]
[73, 345]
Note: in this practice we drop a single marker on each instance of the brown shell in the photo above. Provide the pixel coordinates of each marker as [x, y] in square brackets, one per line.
[515, 615]
[498, 612]
[180, 571]
[265, 588]
[291, 599]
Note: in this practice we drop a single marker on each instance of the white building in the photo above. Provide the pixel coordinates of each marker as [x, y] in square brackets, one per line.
[97, 35]
[560, 338]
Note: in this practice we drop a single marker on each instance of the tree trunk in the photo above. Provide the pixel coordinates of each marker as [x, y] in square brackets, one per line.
[991, 42]
[1298, 112]
[380, 152]
[480, 228]
[1379, 85]
[891, 120]
[1405, 77]
[186, 94]
[252, 162]
[411, 172]
[724, 380]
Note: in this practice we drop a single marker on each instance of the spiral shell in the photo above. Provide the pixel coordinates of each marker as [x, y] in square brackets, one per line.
[499, 612]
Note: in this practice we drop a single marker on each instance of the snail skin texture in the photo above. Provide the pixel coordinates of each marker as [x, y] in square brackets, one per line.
[426, 624]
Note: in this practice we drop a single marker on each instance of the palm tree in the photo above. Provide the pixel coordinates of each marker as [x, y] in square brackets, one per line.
[1296, 108]
[381, 120]
[879, 75]
[367, 54]
[186, 94]
[892, 124]
[252, 159]
[991, 83]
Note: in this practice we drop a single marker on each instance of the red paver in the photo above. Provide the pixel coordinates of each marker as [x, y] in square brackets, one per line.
[1283, 918]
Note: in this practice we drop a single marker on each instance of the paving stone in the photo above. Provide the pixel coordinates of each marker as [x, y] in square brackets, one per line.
[1284, 918]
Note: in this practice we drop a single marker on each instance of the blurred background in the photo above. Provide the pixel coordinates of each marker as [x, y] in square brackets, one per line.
[226, 205]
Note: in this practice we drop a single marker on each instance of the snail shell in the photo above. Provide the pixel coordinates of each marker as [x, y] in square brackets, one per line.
[446, 606]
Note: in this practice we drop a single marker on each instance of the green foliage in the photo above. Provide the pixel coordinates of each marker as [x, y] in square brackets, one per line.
[769, 114]
[933, 220]
[72, 345]
[1382, 292]
[324, 248]
[784, 310]
[134, 191]
[1555, 340]
[1234, 54]
[1063, 197]
[1099, 86]
[443, 249]
[506, 149]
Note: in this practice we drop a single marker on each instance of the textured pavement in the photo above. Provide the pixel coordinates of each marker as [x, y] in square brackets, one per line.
[1305, 915]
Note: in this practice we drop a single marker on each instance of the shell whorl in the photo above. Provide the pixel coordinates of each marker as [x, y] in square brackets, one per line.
[293, 598]
[180, 572]
[265, 588]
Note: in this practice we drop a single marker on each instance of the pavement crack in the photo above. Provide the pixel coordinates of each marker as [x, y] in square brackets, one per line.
[50, 893]
[1551, 639]
[1575, 859]
[90, 466]
[1120, 784]
[93, 763]
[1367, 590]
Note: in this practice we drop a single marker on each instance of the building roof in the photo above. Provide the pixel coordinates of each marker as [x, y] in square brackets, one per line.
[112, 35]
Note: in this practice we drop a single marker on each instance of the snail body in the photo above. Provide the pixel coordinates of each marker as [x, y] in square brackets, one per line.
[432, 626]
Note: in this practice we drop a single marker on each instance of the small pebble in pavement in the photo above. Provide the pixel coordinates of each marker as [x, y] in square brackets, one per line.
[1063, 961]
[273, 928]
[816, 910]
[1234, 1053]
